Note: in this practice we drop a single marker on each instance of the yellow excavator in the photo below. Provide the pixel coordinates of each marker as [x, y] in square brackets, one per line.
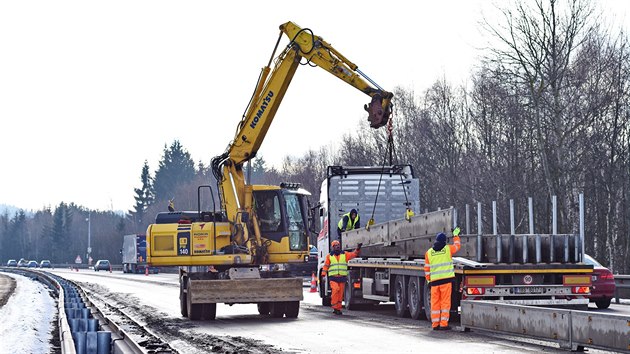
[236, 254]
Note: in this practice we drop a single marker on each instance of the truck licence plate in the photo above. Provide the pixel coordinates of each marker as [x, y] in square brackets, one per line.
[532, 290]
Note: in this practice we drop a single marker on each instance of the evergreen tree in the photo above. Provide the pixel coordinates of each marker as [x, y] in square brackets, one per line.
[144, 196]
[175, 169]
[60, 233]
[5, 241]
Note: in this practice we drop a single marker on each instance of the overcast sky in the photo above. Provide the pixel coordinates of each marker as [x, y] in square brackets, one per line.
[89, 90]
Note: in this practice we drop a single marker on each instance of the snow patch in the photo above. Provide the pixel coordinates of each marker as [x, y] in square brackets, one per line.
[26, 318]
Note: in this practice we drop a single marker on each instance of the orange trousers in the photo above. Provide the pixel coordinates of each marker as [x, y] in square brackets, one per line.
[440, 304]
[337, 294]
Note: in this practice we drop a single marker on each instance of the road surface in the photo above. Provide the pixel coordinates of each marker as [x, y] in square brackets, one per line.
[154, 300]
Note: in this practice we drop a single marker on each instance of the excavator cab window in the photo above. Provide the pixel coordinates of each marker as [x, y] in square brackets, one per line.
[269, 212]
[297, 219]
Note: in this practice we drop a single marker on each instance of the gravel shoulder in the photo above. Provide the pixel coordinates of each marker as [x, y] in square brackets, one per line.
[7, 287]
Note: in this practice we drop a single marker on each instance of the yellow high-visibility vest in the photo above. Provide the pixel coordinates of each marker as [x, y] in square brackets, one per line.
[350, 225]
[338, 267]
[441, 264]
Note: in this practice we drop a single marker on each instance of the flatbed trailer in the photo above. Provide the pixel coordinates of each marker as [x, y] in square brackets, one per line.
[530, 269]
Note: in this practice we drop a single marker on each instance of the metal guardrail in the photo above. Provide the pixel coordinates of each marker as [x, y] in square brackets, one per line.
[573, 330]
[621, 282]
[65, 335]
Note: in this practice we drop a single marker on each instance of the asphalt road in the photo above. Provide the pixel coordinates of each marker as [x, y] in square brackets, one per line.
[154, 300]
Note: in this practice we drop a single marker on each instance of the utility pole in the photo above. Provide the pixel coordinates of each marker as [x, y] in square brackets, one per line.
[89, 248]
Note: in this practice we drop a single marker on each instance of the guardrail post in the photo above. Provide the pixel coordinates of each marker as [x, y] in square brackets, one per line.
[616, 295]
[538, 249]
[495, 231]
[512, 233]
[468, 219]
[581, 227]
[554, 230]
[479, 234]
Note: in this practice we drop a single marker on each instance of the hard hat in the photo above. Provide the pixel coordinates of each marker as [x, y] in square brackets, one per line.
[441, 237]
[335, 243]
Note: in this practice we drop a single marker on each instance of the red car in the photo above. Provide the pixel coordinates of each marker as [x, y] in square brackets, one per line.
[603, 289]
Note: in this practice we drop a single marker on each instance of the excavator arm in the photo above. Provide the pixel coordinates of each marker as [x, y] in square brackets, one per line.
[270, 90]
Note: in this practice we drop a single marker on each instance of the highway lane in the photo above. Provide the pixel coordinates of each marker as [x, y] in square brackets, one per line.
[154, 299]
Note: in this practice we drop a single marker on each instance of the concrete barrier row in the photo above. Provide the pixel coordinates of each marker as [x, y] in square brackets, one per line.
[622, 286]
[571, 329]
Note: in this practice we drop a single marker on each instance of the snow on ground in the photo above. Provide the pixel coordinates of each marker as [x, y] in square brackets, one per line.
[26, 319]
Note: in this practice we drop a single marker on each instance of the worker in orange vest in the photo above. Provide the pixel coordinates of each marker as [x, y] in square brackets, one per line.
[439, 272]
[336, 265]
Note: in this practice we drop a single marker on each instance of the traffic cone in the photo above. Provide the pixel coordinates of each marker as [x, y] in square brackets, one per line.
[146, 271]
[313, 283]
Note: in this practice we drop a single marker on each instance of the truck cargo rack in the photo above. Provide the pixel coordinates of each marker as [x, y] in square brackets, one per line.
[411, 238]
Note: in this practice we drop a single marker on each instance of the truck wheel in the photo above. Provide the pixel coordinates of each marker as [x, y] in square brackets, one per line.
[455, 301]
[426, 296]
[276, 309]
[400, 296]
[292, 309]
[349, 297]
[263, 308]
[209, 311]
[182, 298]
[322, 292]
[414, 298]
[603, 303]
[194, 310]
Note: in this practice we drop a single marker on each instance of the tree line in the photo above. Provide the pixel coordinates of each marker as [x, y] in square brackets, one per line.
[546, 112]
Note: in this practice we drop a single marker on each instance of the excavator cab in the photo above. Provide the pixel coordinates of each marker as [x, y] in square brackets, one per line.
[282, 216]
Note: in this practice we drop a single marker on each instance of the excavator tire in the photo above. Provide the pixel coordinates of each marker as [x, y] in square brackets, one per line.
[209, 311]
[263, 308]
[183, 306]
[292, 309]
[277, 309]
[194, 310]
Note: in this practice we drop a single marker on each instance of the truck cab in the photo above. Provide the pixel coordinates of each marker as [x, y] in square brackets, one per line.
[393, 189]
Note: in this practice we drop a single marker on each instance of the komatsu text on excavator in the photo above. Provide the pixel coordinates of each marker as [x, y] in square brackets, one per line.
[236, 252]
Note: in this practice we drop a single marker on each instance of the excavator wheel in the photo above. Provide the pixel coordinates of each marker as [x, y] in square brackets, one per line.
[263, 308]
[183, 306]
[209, 311]
[194, 310]
[277, 309]
[292, 309]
